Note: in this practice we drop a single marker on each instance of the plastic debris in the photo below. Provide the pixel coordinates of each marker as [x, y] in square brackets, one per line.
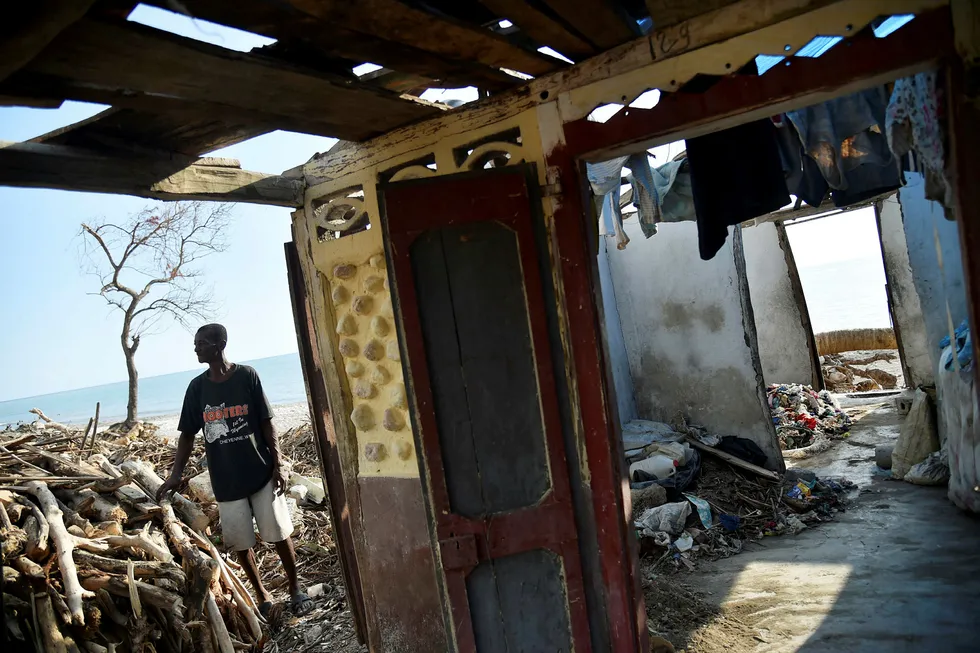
[668, 518]
[729, 522]
[684, 543]
[800, 414]
[704, 510]
[934, 470]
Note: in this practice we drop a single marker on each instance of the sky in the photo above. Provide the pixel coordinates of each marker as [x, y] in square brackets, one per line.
[55, 334]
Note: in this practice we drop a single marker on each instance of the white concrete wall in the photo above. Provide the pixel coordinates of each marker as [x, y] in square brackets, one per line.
[910, 326]
[937, 287]
[689, 337]
[615, 345]
[783, 330]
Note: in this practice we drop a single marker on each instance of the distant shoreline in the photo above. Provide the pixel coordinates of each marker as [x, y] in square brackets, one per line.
[287, 416]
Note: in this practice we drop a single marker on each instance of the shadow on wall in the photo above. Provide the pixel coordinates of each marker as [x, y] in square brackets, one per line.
[834, 342]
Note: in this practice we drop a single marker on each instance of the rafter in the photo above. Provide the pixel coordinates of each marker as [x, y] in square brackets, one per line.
[28, 27]
[134, 60]
[37, 165]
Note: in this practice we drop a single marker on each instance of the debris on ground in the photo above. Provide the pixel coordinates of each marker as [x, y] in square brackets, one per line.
[92, 562]
[677, 613]
[862, 371]
[728, 502]
[803, 417]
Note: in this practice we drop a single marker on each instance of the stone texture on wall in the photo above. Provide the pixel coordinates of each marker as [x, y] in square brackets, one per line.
[367, 343]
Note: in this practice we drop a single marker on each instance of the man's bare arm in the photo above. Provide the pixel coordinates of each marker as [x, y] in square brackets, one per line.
[272, 440]
[184, 447]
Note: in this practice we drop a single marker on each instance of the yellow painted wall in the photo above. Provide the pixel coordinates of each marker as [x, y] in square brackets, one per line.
[355, 286]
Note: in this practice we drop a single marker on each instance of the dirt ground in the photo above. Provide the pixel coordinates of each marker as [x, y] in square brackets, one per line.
[897, 572]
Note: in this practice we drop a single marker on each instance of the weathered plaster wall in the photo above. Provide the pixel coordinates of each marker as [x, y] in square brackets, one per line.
[907, 310]
[615, 344]
[688, 336]
[784, 341]
[937, 286]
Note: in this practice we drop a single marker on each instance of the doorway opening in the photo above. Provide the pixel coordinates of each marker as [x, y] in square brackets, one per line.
[839, 259]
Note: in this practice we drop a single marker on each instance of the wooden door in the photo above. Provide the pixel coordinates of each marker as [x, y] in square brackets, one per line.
[469, 274]
[326, 440]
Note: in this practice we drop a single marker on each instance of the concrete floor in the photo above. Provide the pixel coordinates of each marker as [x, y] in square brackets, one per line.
[900, 571]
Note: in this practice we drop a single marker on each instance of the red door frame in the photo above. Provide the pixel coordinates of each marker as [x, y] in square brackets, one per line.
[460, 199]
[858, 62]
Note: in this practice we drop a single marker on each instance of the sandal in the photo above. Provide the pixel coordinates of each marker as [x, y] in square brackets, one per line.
[301, 604]
[264, 609]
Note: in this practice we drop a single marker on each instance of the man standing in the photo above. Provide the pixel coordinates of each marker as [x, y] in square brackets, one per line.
[227, 402]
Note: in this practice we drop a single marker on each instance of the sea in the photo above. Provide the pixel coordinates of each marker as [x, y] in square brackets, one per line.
[282, 380]
[846, 294]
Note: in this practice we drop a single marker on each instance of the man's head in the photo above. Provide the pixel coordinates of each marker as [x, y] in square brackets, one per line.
[209, 342]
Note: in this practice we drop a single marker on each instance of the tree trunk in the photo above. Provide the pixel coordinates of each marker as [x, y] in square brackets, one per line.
[129, 351]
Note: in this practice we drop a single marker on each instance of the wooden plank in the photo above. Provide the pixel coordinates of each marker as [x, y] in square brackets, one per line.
[190, 132]
[671, 12]
[736, 99]
[542, 27]
[189, 127]
[393, 21]
[38, 165]
[602, 22]
[286, 23]
[126, 58]
[738, 462]
[29, 27]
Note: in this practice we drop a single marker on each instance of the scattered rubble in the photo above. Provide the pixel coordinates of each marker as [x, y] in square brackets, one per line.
[92, 562]
[862, 371]
[804, 417]
[728, 502]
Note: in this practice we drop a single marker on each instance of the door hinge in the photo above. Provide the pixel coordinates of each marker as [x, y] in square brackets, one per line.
[552, 182]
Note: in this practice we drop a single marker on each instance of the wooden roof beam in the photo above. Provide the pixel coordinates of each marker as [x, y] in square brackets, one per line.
[542, 27]
[603, 22]
[37, 165]
[399, 23]
[360, 33]
[132, 59]
[28, 28]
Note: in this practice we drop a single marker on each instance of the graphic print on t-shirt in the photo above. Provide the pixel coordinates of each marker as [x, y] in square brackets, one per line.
[215, 426]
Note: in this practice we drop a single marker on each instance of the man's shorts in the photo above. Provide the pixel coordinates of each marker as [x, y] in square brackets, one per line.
[269, 511]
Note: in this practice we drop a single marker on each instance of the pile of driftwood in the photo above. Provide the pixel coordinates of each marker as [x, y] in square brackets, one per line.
[91, 561]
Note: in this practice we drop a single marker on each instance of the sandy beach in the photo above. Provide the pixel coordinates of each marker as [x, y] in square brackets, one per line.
[287, 416]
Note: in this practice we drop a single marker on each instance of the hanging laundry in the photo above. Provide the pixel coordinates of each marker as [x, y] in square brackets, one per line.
[803, 176]
[913, 122]
[606, 179]
[673, 183]
[736, 175]
[845, 138]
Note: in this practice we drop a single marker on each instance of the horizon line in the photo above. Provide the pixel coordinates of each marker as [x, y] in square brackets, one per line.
[155, 376]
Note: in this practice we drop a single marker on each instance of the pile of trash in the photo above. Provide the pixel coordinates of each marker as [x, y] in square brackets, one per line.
[91, 561]
[803, 416]
[688, 506]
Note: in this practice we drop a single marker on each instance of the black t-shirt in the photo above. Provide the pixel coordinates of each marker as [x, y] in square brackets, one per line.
[230, 414]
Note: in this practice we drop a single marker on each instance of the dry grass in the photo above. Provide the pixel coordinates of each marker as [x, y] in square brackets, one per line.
[833, 342]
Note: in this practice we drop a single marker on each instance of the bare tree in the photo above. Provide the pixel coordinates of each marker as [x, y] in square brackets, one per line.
[146, 267]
